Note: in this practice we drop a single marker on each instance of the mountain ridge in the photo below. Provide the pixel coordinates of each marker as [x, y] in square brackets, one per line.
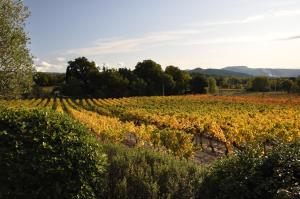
[245, 71]
[217, 72]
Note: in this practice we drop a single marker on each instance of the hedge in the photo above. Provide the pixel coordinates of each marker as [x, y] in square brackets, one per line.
[48, 155]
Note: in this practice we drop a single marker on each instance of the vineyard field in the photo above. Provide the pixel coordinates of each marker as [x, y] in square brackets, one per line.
[184, 126]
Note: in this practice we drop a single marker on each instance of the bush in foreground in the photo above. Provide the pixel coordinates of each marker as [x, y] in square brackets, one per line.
[48, 155]
[140, 173]
[252, 175]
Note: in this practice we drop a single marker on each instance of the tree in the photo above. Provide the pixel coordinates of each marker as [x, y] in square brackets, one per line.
[233, 82]
[49, 79]
[152, 73]
[137, 86]
[168, 84]
[16, 65]
[181, 79]
[260, 84]
[224, 82]
[212, 85]
[113, 84]
[81, 73]
[298, 83]
[198, 84]
[289, 85]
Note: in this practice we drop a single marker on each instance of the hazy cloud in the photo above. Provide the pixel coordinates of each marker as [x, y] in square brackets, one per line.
[45, 66]
[251, 19]
[61, 59]
[119, 45]
[229, 22]
[283, 13]
[225, 40]
[291, 38]
[181, 37]
[258, 38]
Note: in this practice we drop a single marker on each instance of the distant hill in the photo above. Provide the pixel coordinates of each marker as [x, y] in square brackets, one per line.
[264, 71]
[218, 72]
[244, 71]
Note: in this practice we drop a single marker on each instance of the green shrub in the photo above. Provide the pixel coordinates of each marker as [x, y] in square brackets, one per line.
[140, 173]
[48, 155]
[252, 175]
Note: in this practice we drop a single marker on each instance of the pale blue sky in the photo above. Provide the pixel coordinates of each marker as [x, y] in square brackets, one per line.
[184, 33]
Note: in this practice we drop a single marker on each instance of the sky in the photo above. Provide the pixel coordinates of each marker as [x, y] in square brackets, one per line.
[183, 33]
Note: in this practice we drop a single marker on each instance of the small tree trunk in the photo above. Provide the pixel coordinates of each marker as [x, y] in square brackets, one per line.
[211, 146]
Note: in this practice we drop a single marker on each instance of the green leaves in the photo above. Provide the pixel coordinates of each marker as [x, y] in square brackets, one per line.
[16, 65]
[41, 151]
[141, 173]
[252, 175]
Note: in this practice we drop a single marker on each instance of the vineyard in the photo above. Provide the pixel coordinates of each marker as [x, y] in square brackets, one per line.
[185, 126]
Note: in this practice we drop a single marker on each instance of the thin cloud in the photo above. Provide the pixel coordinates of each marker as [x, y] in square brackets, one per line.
[225, 40]
[117, 45]
[290, 38]
[229, 22]
[251, 19]
[258, 38]
[287, 13]
[128, 45]
[61, 59]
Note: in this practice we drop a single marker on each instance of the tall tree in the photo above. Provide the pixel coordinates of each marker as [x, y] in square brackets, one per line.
[137, 86]
[289, 85]
[152, 74]
[198, 84]
[298, 83]
[80, 75]
[113, 84]
[168, 84]
[16, 65]
[260, 84]
[181, 79]
[212, 85]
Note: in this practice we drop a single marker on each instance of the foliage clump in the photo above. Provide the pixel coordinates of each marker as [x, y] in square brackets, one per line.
[48, 155]
[141, 173]
[254, 175]
[16, 64]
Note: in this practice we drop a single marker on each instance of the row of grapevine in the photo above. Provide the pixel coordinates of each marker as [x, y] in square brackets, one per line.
[173, 122]
[113, 130]
[229, 122]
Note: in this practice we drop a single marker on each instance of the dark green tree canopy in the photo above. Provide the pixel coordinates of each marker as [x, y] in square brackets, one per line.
[168, 84]
[48, 79]
[148, 69]
[152, 74]
[260, 84]
[16, 65]
[80, 69]
[289, 85]
[113, 83]
[198, 84]
[80, 77]
[181, 79]
[136, 86]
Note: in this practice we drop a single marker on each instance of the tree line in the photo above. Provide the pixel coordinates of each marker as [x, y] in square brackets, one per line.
[84, 79]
